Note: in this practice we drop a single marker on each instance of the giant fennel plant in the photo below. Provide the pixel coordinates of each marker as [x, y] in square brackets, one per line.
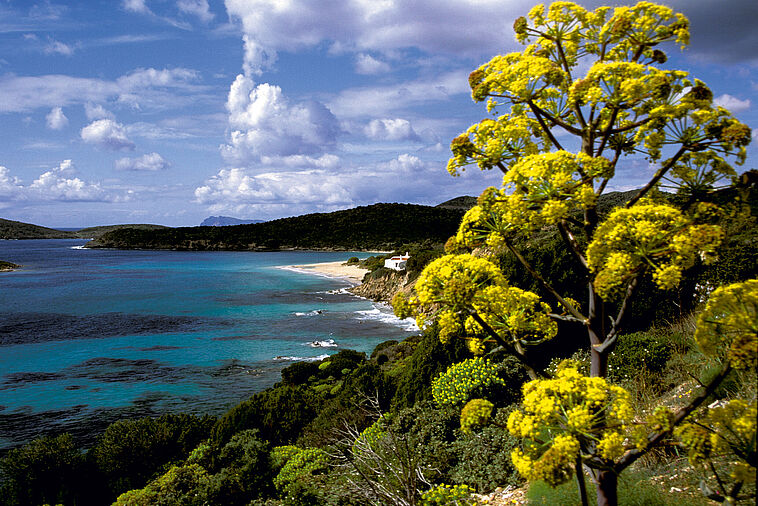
[586, 93]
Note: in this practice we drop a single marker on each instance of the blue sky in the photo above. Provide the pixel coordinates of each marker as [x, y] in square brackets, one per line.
[168, 111]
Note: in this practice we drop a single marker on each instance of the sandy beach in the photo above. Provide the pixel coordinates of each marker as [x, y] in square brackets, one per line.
[352, 273]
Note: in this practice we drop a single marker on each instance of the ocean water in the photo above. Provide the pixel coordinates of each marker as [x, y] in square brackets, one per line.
[91, 336]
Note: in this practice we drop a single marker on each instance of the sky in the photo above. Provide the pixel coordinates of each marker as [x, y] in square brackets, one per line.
[169, 111]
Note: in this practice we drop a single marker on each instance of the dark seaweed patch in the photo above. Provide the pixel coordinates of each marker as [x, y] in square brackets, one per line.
[18, 328]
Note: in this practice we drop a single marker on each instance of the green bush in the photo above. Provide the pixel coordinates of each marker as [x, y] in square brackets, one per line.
[44, 471]
[278, 413]
[345, 359]
[130, 452]
[299, 372]
[183, 485]
[365, 381]
[244, 470]
[484, 458]
[429, 359]
[637, 352]
[294, 481]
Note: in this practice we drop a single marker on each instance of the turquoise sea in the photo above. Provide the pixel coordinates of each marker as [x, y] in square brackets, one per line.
[91, 336]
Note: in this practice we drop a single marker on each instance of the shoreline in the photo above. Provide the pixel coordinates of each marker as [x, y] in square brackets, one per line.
[351, 273]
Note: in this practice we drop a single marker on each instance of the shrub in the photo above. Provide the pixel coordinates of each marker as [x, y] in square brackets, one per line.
[180, 485]
[430, 358]
[345, 359]
[483, 458]
[637, 352]
[131, 452]
[299, 372]
[244, 470]
[43, 471]
[278, 413]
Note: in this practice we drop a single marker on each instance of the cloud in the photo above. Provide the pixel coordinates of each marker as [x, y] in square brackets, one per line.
[368, 65]
[265, 123]
[156, 87]
[151, 162]
[461, 27]
[10, 186]
[390, 130]
[97, 111]
[734, 104]
[273, 193]
[56, 120]
[385, 99]
[57, 47]
[138, 6]
[107, 134]
[197, 8]
[56, 184]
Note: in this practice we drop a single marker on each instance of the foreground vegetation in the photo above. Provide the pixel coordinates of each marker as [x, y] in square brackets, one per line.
[562, 344]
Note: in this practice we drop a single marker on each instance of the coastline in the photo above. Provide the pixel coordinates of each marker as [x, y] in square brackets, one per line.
[351, 273]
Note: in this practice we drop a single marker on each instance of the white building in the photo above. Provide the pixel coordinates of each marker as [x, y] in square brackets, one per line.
[397, 263]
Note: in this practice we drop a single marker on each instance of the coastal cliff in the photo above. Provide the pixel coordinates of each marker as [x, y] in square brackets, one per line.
[382, 284]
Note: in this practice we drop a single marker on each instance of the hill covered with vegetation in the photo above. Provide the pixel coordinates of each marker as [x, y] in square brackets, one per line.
[375, 227]
[10, 229]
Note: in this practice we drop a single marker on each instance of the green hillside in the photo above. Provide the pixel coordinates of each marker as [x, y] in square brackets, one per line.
[10, 229]
[377, 227]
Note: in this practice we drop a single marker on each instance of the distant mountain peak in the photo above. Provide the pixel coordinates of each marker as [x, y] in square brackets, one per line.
[224, 221]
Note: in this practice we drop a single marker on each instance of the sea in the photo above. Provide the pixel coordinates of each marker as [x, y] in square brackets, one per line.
[90, 336]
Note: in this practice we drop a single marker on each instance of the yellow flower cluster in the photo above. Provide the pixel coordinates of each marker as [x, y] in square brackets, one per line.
[554, 466]
[659, 237]
[559, 415]
[727, 329]
[513, 312]
[546, 187]
[476, 413]
[453, 288]
[448, 495]
[371, 435]
[456, 385]
[494, 141]
[724, 430]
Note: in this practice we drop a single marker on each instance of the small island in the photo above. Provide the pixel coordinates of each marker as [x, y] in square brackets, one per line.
[7, 266]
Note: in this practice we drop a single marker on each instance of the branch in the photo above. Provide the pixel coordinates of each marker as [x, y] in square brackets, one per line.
[539, 110]
[567, 69]
[658, 175]
[565, 318]
[531, 371]
[569, 307]
[606, 135]
[632, 455]
[616, 324]
[545, 128]
[571, 240]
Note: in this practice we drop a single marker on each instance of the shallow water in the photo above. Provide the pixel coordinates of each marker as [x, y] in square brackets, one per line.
[90, 336]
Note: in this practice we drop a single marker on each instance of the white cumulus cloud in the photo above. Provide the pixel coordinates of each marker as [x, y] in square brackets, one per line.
[396, 129]
[57, 47]
[57, 185]
[107, 134]
[56, 120]
[265, 123]
[734, 104]
[197, 8]
[135, 6]
[151, 162]
[97, 111]
[368, 65]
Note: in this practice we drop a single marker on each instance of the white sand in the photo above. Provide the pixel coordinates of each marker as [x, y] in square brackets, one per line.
[352, 273]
